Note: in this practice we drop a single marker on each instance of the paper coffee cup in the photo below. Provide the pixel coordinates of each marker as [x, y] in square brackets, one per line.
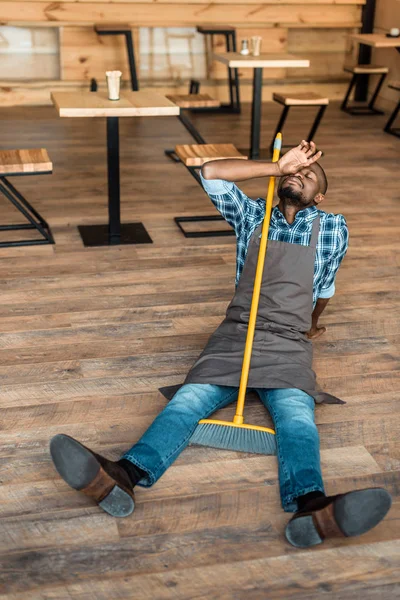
[113, 84]
[255, 45]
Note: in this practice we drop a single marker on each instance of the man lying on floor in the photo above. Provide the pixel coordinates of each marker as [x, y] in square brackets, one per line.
[305, 248]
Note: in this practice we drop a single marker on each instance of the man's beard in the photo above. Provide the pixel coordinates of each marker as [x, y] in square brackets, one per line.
[291, 197]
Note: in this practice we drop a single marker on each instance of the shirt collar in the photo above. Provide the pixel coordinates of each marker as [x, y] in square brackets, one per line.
[306, 214]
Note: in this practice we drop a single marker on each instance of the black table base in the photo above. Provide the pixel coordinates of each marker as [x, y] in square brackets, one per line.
[115, 232]
[99, 235]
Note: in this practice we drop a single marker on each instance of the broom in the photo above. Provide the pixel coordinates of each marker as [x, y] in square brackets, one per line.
[236, 435]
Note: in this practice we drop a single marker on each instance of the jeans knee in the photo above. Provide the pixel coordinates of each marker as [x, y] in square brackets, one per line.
[191, 401]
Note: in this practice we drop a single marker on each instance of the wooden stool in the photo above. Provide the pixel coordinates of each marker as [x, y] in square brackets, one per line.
[303, 99]
[193, 157]
[24, 162]
[362, 71]
[394, 85]
[186, 102]
[233, 74]
[120, 29]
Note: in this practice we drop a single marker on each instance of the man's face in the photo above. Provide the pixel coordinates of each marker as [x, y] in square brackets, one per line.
[301, 188]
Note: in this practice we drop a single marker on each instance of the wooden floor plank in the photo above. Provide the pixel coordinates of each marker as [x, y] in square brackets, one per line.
[88, 335]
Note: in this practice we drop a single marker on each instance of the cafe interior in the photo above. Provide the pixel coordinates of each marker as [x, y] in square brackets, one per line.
[117, 267]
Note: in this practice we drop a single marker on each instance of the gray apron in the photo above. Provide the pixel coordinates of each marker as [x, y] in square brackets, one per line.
[282, 353]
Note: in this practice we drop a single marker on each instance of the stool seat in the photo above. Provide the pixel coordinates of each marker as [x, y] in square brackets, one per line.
[394, 85]
[195, 155]
[301, 99]
[18, 162]
[114, 27]
[214, 28]
[366, 69]
[194, 100]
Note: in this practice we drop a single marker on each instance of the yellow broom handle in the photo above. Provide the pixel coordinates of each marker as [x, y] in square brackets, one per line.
[238, 418]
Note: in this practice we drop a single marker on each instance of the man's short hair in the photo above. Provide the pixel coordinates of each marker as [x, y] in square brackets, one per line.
[321, 177]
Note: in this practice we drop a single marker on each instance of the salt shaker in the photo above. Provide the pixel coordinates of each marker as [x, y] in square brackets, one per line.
[245, 48]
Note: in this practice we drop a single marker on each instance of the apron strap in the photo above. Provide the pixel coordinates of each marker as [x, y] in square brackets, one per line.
[315, 232]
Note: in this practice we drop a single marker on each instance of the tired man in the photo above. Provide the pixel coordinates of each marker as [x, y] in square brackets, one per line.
[305, 249]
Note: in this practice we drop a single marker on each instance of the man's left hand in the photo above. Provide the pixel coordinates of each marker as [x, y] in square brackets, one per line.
[315, 332]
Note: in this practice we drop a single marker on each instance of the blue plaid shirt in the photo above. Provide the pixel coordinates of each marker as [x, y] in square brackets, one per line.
[245, 214]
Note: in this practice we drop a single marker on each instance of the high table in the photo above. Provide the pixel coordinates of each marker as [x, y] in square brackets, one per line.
[258, 63]
[97, 104]
[374, 40]
[377, 40]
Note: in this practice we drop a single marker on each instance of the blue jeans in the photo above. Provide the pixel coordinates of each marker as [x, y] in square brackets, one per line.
[297, 437]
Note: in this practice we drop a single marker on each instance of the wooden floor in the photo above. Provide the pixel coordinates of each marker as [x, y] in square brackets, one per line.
[89, 335]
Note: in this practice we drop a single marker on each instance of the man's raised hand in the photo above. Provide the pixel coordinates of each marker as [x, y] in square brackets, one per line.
[303, 155]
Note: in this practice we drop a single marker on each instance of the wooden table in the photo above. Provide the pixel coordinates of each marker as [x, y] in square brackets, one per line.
[258, 63]
[377, 40]
[97, 104]
[374, 40]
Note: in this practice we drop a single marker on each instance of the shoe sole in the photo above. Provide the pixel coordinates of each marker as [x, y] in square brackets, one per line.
[79, 467]
[355, 513]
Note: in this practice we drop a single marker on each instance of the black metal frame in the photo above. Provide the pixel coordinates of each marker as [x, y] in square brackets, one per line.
[314, 126]
[255, 131]
[388, 127]
[369, 108]
[364, 51]
[114, 233]
[200, 219]
[187, 123]
[131, 57]
[36, 221]
[233, 74]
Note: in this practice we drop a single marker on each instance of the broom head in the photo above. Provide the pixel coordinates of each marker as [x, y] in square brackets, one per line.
[230, 436]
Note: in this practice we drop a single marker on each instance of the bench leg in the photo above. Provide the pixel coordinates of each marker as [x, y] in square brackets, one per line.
[35, 220]
[375, 94]
[194, 86]
[201, 218]
[367, 109]
[316, 123]
[280, 125]
[388, 127]
[349, 90]
[187, 123]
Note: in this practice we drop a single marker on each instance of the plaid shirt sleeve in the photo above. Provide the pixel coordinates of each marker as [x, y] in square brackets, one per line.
[339, 236]
[233, 204]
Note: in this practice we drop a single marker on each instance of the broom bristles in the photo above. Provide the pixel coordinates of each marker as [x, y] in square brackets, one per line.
[227, 437]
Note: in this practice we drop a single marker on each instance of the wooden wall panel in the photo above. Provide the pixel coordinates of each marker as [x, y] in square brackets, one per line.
[84, 54]
[316, 30]
[327, 49]
[175, 14]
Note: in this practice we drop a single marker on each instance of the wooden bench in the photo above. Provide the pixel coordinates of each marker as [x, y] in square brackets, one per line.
[362, 71]
[34, 161]
[120, 29]
[394, 85]
[308, 99]
[193, 157]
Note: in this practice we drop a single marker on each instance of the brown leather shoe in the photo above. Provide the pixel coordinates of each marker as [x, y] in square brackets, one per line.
[97, 477]
[344, 515]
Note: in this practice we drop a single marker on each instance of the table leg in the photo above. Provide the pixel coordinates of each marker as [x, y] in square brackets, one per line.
[114, 204]
[256, 113]
[114, 233]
